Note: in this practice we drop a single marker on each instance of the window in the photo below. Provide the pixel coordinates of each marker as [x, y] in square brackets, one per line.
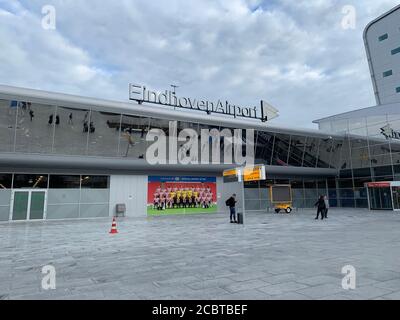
[133, 131]
[398, 89]
[387, 73]
[395, 51]
[5, 181]
[94, 182]
[383, 37]
[8, 114]
[30, 181]
[35, 129]
[281, 149]
[70, 136]
[64, 182]
[104, 132]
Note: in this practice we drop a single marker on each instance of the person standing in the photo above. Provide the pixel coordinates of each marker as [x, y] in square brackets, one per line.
[70, 119]
[320, 204]
[23, 107]
[231, 203]
[31, 114]
[326, 200]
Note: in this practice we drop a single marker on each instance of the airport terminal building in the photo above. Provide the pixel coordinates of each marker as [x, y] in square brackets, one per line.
[64, 156]
[70, 157]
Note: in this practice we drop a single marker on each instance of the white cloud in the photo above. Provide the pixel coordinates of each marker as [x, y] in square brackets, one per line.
[291, 53]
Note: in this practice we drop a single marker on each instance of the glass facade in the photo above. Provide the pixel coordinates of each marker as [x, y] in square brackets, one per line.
[365, 153]
[32, 128]
[360, 153]
[68, 196]
[370, 152]
[305, 193]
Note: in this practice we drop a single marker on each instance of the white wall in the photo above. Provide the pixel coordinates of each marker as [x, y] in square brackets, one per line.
[221, 195]
[382, 58]
[131, 190]
[226, 190]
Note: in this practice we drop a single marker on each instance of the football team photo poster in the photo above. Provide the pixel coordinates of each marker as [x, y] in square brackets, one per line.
[181, 195]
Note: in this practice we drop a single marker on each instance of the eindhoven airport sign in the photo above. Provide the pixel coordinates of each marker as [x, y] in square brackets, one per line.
[168, 98]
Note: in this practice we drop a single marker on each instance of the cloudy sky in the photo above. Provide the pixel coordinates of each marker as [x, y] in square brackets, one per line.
[295, 54]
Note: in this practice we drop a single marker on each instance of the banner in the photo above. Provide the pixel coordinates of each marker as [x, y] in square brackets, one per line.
[255, 173]
[181, 195]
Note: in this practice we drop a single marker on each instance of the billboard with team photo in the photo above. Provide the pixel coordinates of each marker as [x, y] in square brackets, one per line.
[181, 195]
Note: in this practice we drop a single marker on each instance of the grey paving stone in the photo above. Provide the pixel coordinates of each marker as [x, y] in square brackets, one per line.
[250, 274]
[218, 282]
[205, 294]
[253, 294]
[393, 285]
[204, 257]
[341, 296]
[279, 278]
[370, 292]
[216, 273]
[177, 280]
[4, 296]
[289, 296]
[364, 281]
[321, 279]
[383, 275]
[322, 290]
[281, 288]
[43, 295]
[391, 296]
[245, 285]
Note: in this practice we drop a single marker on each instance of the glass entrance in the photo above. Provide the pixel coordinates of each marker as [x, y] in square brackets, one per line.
[20, 205]
[28, 205]
[37, 205]
[380, 198]
[396, 198]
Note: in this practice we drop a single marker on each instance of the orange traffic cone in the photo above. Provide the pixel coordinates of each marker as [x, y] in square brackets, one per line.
[114, 226]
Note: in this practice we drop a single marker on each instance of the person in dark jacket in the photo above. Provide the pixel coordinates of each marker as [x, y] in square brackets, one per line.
[320, 204]
[231, 203]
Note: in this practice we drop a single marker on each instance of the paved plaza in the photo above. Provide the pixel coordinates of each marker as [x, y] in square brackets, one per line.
[204, 257]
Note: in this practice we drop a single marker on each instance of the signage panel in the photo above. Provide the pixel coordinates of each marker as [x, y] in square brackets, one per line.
[142, 94]
[378, 184]
[232, 175]
[255, 173]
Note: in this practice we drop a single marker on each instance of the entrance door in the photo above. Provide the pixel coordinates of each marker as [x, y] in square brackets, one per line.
[396, 198]
[28, 205]
[380, 198]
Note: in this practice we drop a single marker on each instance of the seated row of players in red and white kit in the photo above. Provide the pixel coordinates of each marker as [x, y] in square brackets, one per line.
[182, 197]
